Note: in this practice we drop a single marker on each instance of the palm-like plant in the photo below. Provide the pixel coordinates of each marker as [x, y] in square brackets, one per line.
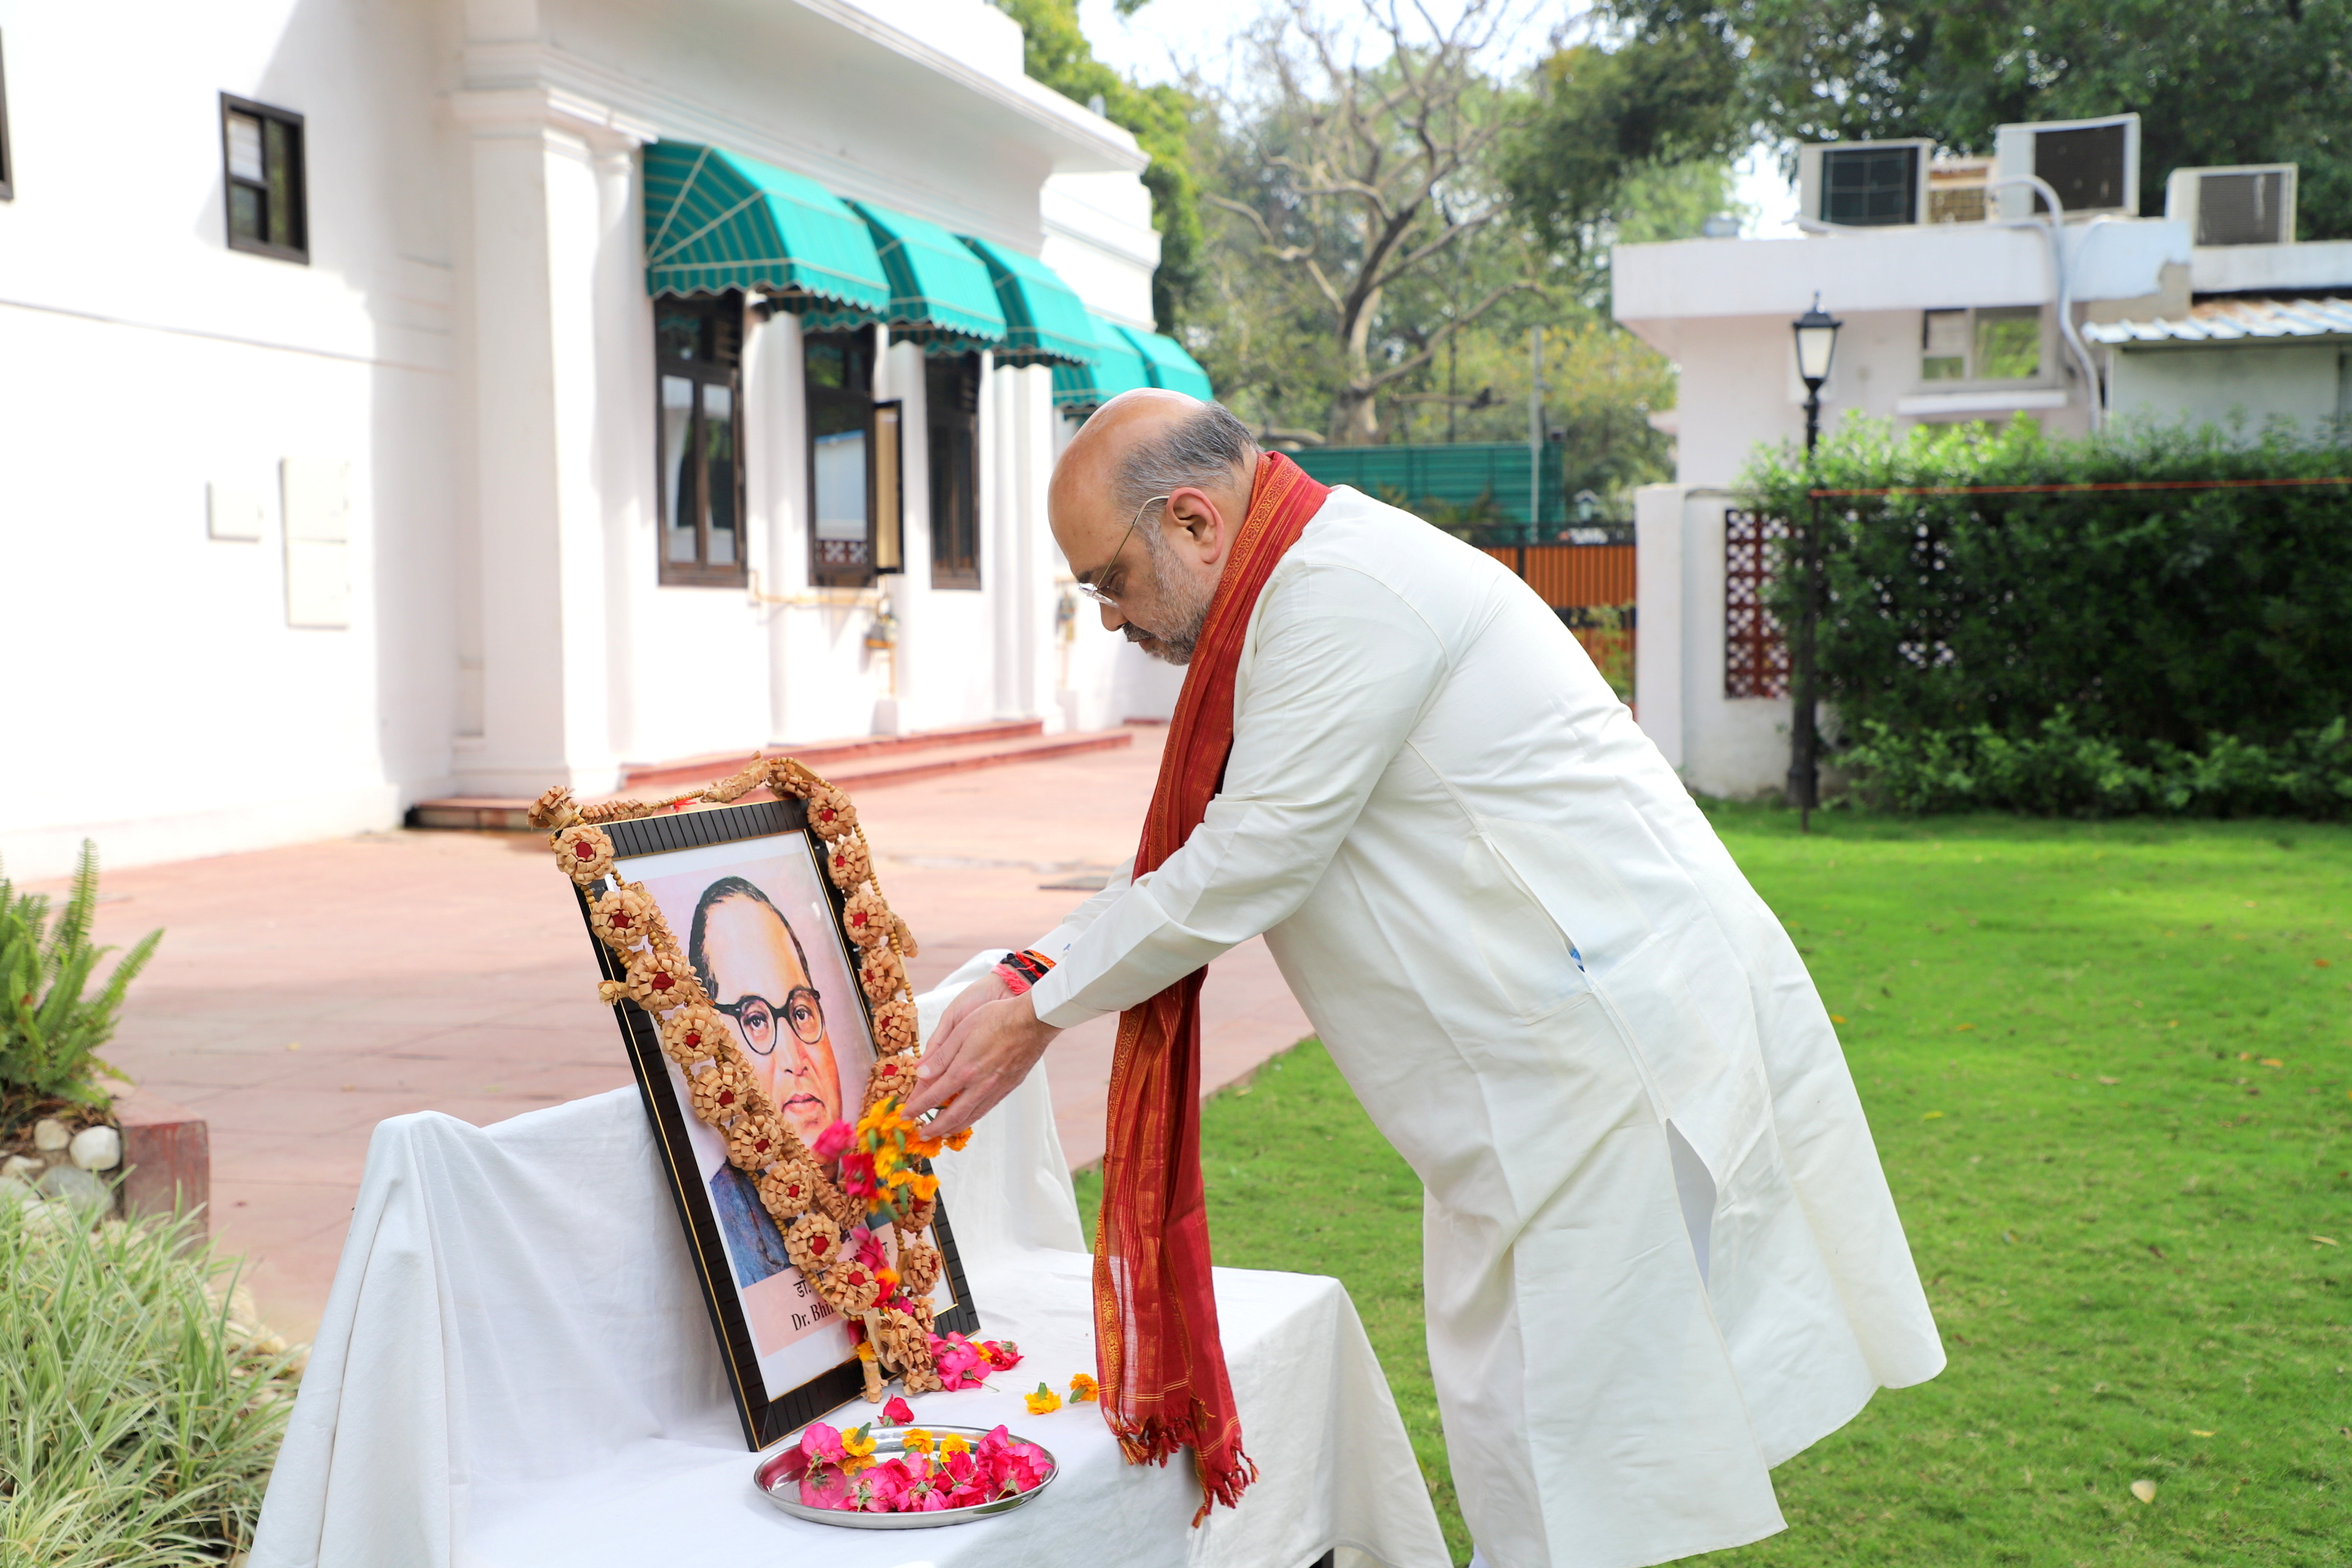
[50, 1029]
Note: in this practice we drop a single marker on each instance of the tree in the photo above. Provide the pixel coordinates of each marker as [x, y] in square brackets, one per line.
[1356, 179]
[1055, 52]
[2215, 81]
[1599, 119]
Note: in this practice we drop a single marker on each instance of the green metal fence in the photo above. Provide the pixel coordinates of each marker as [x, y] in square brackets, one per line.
[1459, 475]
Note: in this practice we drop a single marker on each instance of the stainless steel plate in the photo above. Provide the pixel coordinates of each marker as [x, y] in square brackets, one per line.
[784, 1489]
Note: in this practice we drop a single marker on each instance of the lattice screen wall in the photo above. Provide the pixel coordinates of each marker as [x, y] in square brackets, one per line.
[1754, 654]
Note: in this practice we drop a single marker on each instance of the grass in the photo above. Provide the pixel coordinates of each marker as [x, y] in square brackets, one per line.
[2109, 1069]
[137, 1422]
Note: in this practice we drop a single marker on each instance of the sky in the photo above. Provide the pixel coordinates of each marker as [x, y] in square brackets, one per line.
[1166, 36]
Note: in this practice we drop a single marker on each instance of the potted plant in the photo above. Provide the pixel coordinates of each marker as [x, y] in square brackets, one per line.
[58, 1133]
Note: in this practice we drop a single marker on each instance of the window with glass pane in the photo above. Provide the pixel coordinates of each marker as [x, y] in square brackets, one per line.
[261, 154]
[951, 421]
[840, 378]
[2009, 344]
[698, 353]
[1944, 346]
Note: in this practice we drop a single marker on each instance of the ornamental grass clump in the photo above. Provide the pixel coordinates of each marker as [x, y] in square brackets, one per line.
[51, 1024]
[138, 1420]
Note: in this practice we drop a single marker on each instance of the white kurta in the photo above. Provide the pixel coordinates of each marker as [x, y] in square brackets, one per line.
[1660, 1254]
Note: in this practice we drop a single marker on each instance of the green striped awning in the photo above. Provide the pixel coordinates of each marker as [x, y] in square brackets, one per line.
[940, 293]
[1044, 324]
[1169, 365]
[1113, 366]
[717, 220]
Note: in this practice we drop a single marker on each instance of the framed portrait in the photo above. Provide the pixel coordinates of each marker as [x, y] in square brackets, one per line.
[743, 890]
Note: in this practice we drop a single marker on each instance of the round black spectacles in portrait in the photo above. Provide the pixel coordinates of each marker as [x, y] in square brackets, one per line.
[756, 1017]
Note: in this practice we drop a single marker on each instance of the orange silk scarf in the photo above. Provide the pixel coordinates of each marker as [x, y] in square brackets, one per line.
[1161, 1367]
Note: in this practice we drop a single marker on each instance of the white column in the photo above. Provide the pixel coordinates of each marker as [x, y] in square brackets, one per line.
[775, 412]
[908, 591]
[538, 227]
[1000, 565]
[1659, 613]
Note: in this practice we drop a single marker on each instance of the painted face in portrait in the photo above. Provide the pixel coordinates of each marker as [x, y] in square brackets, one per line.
[758, 980]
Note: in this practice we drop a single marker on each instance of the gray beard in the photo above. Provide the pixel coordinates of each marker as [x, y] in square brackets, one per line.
[1180, 599]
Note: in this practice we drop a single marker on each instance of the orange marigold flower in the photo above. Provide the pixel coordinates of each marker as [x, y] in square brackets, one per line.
[1044, 1402]
[1083, 1389]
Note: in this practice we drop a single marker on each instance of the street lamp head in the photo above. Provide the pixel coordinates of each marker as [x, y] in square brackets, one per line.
[1817, 334]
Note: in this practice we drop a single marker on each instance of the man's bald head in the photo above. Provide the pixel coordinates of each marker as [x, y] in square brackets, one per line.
[1173, 470]
[1147, 443]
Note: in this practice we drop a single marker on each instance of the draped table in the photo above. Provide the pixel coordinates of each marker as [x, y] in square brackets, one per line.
[516, 1368]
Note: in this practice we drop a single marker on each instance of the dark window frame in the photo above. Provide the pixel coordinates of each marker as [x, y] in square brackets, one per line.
[846, 563]
[723, 368]
[295, 190]
[951, 432]
[7, 150]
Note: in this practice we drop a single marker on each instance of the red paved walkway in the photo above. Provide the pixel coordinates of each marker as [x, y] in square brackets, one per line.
[303, 994]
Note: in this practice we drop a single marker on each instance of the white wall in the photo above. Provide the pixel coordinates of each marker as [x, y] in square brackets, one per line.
[1734, 747]
[173, 711]
[2225, 384]
[472, 343]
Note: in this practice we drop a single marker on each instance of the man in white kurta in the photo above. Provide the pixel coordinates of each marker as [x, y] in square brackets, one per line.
[1661, 1256]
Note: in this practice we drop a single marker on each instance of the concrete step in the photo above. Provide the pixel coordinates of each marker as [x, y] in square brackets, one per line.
[853, 764]
[661, 778]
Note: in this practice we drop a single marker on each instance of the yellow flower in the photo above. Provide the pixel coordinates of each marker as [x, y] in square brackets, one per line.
[917, 1440]
[864, 1350]
[954, 1443]
[1083, 1389]
[857, 1449]
[1044, 1402]
[924, 1188]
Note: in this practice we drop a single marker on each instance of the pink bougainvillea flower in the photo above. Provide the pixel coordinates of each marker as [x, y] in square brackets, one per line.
[898, 1413]
[826, 1487]
[960, 1363]
[822, 1444]
[830, 1142]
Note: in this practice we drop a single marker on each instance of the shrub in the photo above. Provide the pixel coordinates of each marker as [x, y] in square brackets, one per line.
[138, 1424]
[2193, 619]
[2057, 770]
[50, 1028]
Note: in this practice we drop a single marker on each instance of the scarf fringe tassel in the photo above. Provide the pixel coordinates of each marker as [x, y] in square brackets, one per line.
[1159, 1439]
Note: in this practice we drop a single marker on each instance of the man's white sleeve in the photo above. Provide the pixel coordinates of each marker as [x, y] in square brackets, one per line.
[1055, 943]
[1340, 672]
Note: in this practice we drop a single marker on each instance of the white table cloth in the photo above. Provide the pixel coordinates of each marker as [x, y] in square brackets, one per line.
[516, 1369]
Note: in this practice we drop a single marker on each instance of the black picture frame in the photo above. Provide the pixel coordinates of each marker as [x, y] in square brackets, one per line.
[767, 1413]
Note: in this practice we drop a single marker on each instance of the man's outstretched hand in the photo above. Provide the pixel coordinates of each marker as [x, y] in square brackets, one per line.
[977, 1056]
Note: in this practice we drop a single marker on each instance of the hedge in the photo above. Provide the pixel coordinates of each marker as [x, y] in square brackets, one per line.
[2181, 645]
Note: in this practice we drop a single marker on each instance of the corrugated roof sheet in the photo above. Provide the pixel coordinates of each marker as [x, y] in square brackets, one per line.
[2231, 321]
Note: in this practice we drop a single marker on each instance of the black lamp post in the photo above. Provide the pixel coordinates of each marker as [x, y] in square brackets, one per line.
[1816, 332]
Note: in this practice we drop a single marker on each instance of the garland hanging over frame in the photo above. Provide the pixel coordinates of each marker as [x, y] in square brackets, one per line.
[827, 1227]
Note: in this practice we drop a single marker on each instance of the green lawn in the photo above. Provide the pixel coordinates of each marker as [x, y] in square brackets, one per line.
[2109, 1067]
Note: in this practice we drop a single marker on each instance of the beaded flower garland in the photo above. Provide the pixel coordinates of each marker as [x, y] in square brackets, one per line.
[827, 1227]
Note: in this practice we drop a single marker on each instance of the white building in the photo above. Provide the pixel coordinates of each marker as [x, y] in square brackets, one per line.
[472, 395]
[1952, 311]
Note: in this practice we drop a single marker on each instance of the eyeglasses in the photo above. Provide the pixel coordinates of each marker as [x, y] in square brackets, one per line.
[755, 1017]
[1101, 596]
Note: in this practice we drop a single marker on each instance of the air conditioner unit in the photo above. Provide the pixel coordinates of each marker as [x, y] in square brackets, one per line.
[2249, 204]
[1864, 185]
[2093, 164]
[1957, 190]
